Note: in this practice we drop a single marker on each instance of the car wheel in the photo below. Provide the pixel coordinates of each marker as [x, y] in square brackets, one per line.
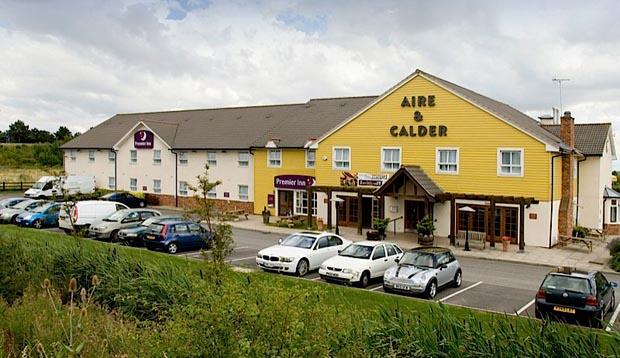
[431, 289]
[14, 220]
[114, 236]
[302, 267]
[537, 313]
[365, 279]
[458, 279]
[37, 224]
[173, 248]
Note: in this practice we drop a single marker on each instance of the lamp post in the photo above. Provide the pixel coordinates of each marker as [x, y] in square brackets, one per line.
[469, 211]
[337, 201]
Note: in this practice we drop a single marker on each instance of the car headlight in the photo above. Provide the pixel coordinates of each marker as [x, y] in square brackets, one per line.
[259, 256]
[323, 267]
[350, 271]
[388, 274]
[286, 259]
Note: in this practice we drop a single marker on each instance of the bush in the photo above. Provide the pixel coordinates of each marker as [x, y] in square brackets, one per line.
[580, 231]
[614, 246]
[614, 263]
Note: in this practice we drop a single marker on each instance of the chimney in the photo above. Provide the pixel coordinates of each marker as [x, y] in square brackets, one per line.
[556, 115]
[546, 119]
[565, 217]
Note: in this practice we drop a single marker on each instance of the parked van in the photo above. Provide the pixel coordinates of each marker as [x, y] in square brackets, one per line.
[51, 186]
[85, 213]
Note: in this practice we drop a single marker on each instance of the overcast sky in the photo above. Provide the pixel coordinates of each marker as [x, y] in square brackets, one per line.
[76, 63]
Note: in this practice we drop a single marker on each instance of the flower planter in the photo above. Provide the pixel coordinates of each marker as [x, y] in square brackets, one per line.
[426, 240]
[505, 243]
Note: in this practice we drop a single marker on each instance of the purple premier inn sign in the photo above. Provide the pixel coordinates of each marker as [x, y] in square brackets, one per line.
[294, 182]
[143, 139]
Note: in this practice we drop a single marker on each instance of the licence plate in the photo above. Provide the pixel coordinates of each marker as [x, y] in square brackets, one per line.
[401, 287]
[331, 274]
[150, 237]
[564, 309]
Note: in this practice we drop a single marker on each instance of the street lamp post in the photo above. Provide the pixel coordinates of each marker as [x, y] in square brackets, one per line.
[469, 211]
[337, 201]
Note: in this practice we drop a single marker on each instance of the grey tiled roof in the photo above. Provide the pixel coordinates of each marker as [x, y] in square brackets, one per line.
[610, 193]
[423, 180]
[590, 138]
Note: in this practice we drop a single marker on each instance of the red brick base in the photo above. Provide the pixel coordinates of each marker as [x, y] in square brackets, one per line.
[189, 202]
[611, 229]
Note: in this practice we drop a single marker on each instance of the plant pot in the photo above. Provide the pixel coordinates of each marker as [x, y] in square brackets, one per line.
[505, 243]
[425, 240]
[320, 225]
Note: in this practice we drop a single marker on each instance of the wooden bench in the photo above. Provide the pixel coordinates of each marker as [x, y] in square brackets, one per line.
[237, 213]
[477, 237]
[566, 240]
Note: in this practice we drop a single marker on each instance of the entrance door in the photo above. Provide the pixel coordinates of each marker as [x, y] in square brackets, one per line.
[285, 202]
[414, 212]
[348, 211]
[507, 223]
[367, 212]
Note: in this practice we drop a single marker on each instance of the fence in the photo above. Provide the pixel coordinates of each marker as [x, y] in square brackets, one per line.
[18, 185]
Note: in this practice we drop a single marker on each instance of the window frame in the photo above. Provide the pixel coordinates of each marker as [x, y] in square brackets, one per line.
[438, 163]
[156, 159]
[299, 208]
[133, 160]
[72, 155]
[183, 188]
[383, 162]
[183, 158]
[111, 180]
[334, 166]
[500, 165]
[91, 158]
[247, 196]
[111, 156]
[212, 194]
[212, 162]
[271, 150]
[239, 161]
[613, 204]
[135, 188]
[314, 160]
[155, 188]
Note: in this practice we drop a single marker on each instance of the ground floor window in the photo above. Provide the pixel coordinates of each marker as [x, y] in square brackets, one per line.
[133, 184]
[506, 221]
[301, 202]
[156, 186]
[613, 212]
[111, 183]
[243, 192]
[212, 194]
[183, 188]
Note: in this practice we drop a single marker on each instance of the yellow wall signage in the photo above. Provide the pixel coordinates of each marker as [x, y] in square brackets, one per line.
[420, 130]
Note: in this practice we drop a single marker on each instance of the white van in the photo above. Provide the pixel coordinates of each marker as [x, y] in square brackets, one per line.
[50, 186]
[87, 212]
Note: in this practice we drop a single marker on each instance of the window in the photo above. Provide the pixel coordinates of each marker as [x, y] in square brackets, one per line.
[342, 158]
[334, 241]
[244, 159]
[613, 213]
[133, 184]
[211, 159]
[379, 253]
[183, 158]
[323, 243]
[180, 228]
[390, 159]
[390, 250]
[212, 194]
[193, 227]
[72, 154]
[301, 203]
[91, 155]
[274, 158]
[447, 161]
[243, 192]
[111, 156]
[156, 185]
[146, 214]
[156, 157]
[183, 188]
[111, 183]
[510, 162]
[133, 156]
[310, 158]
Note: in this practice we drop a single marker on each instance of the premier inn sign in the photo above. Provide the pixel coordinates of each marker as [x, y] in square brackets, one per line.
[419, 130]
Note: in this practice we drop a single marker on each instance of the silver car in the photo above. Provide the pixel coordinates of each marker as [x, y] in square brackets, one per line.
[108, 227]
[8, 215]
[422, 271]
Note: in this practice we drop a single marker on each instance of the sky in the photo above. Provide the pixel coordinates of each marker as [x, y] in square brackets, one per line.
[77, 63]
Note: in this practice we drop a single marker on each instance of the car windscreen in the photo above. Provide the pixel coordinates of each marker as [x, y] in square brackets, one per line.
[357, 251]
[115, 216]
[567, 283]
[302, 241]
[41, 208]
[156, 228]
[420, 259]
[38, 185]
[22, 204]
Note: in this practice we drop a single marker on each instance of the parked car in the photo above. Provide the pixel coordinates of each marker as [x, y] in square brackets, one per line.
[578, 296]
[172, 236]
[51, 186]
[128, 199]
[5, 203]
[423, 271]
[301, 252]
[360, 262]
[8, 215]
[109, 226]
[134, 236]
[85, 213]
[44, 215]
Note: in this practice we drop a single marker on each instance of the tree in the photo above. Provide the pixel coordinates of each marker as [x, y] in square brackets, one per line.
[63, 134]
[41, 136]
[19, 132]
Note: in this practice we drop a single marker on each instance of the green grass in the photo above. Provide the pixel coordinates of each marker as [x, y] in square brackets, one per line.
[44, 155]
[184, 307]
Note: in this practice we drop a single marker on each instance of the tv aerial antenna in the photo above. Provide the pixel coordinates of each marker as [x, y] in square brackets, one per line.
[559, 81]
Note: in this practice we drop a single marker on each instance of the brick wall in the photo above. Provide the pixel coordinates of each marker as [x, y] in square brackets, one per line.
[565, 217]
[188, 202]
[611, 229]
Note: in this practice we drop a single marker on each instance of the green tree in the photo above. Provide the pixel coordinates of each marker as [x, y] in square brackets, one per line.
[40, 136]
[63, 134]
[19, 132]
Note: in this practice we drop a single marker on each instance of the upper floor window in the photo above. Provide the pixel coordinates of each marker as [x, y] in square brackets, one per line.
[243, 192]
[157, 157]
[91, 155]
[111, 155]
[447, 160]
[72, 154]
[211, 159]
[310, 158]
[244, 159]
[390, 159]
[510, 162]
[133, 155]
[342, 158]
[274, 158]
[183, 158]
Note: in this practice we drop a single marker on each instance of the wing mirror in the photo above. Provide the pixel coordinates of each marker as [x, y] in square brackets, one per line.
[397, 260]
[613, 284]
[279, 241]
[339, 251]
[443, 266]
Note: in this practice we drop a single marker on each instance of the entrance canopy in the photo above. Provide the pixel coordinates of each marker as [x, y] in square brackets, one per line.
[423, 185]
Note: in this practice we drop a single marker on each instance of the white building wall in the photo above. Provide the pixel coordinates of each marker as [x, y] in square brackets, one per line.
[590, 193]
[441, 215]
[537, 218]
[101, 168]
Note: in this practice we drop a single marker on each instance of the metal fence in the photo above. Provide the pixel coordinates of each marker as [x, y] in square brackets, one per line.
[17, 185]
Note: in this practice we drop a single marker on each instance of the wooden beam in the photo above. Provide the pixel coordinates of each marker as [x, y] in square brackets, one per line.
[521, 226]
[329, 209]
[359, 213]
[491, 226]
[310, 194]
[452, 221]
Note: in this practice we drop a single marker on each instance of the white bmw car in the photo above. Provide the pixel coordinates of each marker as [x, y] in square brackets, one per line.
[301, 252]
[360, 262]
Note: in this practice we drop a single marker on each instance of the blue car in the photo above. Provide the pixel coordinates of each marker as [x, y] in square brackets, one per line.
[45, 215]
[172, 236]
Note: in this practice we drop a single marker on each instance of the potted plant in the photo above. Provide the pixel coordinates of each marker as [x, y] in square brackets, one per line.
[426, 230]
[580, 231]
[379, 233]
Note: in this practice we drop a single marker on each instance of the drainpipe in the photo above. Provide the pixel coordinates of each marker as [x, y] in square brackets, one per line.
[551, 216]
[176, 178]
[115, 169]
[578, 176]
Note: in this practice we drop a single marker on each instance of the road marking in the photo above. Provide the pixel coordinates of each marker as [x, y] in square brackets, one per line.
[243, 258]
[527, 305]
[376, 288]
[459, 292]
[242, 247]
[613, 319]
[316, 278]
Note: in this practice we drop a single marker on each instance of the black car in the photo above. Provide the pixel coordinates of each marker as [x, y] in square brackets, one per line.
[135, 235]
[126, 198]
[572, 295]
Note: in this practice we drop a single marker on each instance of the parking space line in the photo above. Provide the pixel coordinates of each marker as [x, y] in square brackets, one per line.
[316, 278]
[613, 319]
[527, 305]
[243, 258]
[459, 292]
[376, 288]
[241, 247]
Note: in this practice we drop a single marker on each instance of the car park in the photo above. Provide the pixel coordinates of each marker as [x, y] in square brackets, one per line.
[84, 213]
[573, 295]
[108, 227]
[175, 235]
[360, 262]
[128, 199]
[423, 271]
[301, 252]
[8, 215]
[134, 236]
[44, 216]
[5, 203]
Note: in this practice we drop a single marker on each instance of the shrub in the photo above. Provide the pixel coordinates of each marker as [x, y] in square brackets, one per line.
[614, 263]
[614, 246]
[580, 231]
